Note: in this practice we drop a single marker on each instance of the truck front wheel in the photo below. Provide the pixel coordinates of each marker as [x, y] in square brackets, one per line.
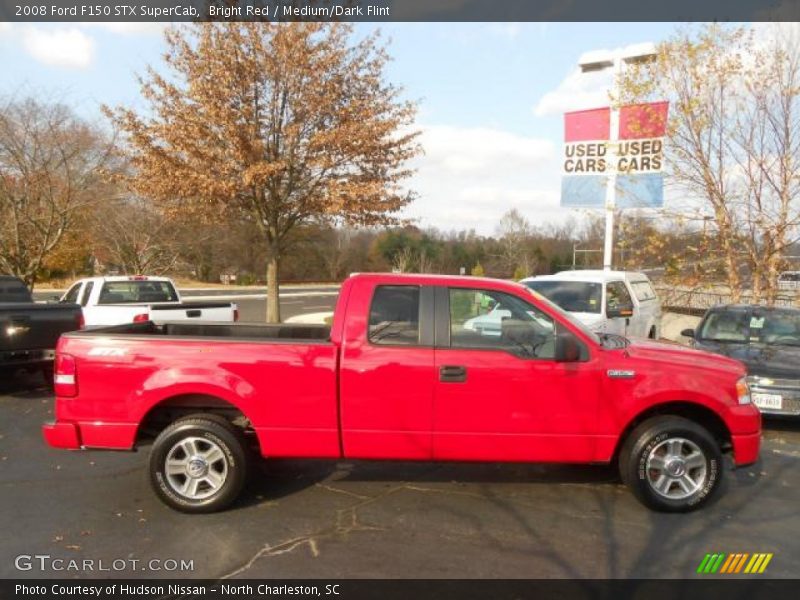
[198, 464]
[671, 464]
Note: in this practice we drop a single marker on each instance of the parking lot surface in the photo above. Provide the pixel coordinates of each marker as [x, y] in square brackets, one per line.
[361, 519]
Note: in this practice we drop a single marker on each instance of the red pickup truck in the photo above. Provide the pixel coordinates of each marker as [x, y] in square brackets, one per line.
[402, 373]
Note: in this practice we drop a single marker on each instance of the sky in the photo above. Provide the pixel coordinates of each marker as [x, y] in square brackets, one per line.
[491, 99]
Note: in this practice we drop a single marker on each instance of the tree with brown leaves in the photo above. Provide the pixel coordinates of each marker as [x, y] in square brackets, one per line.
[52, 165]
[286, 124]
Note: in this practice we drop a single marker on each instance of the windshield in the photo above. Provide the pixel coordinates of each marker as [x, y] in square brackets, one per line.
[130, 292]
[572, 296]
[779, 327]
[565, 315]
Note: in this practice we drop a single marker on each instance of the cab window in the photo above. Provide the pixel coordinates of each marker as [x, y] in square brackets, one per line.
[87, 291]
[617, 295]
[486, 319]
[394, 316]
[71, 297]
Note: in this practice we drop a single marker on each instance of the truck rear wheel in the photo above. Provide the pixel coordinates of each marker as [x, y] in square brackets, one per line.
[671, 464]
[198, 464]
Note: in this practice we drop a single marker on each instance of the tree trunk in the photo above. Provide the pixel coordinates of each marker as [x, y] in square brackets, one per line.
[273, 305]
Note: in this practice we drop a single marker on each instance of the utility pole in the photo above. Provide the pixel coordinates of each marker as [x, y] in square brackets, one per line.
[597, 61]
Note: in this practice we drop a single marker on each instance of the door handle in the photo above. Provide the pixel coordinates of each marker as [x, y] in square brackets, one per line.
[452, 374]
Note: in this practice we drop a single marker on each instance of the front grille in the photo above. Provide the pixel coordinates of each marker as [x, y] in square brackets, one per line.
[788, 389]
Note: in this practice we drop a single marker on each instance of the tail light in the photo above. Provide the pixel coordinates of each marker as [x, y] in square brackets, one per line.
[235, 313]
[81, 320]
[142, 318]
[65, 376]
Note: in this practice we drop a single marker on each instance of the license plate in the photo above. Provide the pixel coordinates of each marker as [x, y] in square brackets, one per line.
[771, 401]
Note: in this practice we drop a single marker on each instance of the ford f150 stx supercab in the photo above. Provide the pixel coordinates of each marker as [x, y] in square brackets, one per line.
[138, 298]
[398, 376]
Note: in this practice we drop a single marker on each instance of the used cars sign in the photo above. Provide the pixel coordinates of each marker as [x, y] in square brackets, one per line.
[634, 156]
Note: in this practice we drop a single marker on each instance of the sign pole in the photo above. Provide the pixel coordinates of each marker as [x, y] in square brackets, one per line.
[611, 182]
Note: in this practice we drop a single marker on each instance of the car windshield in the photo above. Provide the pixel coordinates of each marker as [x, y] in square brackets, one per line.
[565, 315]
[779, 327]
[129, 292]
[572, 296]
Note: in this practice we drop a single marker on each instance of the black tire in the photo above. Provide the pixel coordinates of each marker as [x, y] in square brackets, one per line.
[652, 334]
[679, 439]
[214, 438]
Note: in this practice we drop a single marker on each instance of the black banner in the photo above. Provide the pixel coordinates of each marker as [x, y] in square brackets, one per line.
[732, 588]
[398, 10]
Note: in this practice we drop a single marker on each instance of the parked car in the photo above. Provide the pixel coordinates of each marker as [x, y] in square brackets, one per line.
[789, 280]
[29, 330]
[399, 376]
[767, 341]
[615, 302]
[138, 298]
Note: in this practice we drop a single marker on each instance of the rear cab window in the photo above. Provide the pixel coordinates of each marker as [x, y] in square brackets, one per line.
[14, 291]
[394, 316]
[137, 291]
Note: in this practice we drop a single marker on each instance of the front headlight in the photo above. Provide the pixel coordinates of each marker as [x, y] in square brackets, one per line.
[743, 391]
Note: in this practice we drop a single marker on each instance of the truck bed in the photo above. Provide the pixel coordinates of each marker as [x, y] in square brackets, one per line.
[229, 331]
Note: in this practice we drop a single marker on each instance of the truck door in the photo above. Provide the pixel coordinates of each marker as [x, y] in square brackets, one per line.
[504, 397]
[386, 373]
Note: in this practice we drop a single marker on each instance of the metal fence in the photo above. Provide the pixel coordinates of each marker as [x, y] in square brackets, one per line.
[696, 302]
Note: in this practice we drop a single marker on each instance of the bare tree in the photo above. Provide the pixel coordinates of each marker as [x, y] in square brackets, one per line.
[132, 234]
[52, 165]
[514, 232]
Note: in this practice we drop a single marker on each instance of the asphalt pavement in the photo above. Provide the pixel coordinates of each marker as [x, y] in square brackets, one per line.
[371, 519]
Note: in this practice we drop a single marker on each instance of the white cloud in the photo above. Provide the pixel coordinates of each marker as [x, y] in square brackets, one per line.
[70, 48]
[469, 177]
[576, 92]
[5, 27]
[480, 150]
[581, 90]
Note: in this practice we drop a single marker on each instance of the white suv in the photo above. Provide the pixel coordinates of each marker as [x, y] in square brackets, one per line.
[618, 302]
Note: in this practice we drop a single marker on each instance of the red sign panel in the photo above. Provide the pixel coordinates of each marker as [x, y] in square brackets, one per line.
[586, 125]
[639, 121]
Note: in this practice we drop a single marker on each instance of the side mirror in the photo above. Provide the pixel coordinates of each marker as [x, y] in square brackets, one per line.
[621, 310]
[567, 347]
[688, 333]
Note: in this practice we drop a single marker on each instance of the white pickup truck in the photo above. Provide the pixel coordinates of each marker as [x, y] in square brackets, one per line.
[138, 298]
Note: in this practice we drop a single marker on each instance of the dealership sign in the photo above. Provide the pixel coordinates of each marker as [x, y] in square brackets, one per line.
[633, 156]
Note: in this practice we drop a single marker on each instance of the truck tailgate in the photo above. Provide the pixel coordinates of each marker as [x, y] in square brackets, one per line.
[190, 311]
[35, 326]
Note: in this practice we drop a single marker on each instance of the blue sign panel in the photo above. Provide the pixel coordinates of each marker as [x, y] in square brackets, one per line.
[583, 191]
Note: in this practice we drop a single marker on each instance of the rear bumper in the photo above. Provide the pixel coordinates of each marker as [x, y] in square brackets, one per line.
[62, 435]
[25, 358]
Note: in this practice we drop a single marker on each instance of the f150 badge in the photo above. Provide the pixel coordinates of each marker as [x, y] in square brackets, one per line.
[620, 374]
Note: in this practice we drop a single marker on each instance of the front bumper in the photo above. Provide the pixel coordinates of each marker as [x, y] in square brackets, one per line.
[62, 435]
[787, 389]
[746, 448]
